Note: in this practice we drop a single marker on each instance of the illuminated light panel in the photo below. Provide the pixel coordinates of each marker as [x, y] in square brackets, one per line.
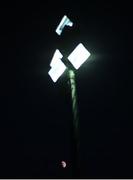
[57, 70]
[57, 55]
[64, 22]
[78, 56]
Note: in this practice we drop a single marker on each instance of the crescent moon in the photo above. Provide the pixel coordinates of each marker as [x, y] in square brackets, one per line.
[63, 164]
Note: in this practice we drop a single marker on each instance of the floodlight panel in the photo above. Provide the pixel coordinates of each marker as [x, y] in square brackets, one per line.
[78, 56]
[64, 22]
[68, 22]
[57, 70]
[57, 55]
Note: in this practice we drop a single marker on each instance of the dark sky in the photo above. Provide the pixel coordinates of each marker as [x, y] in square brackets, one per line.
[36, 118]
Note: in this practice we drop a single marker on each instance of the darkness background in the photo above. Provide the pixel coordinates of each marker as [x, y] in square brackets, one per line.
[36, 116]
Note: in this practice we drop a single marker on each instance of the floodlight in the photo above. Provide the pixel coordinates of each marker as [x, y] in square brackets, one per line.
[64, 22]
[57, 55]
[57, 70]
[78, 56]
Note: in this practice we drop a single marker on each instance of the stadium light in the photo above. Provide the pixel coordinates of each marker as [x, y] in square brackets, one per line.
[78, 56]
[57, 55]
[64, 22]
[57, 66]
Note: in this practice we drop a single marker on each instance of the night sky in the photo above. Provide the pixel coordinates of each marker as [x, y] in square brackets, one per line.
[36, 115]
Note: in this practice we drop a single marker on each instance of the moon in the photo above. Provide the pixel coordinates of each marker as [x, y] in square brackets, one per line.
[63, 163]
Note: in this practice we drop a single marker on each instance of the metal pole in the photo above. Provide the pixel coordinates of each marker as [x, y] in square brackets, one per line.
[75, 120]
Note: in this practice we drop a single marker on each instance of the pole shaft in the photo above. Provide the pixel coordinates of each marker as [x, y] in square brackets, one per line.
[75, 118]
